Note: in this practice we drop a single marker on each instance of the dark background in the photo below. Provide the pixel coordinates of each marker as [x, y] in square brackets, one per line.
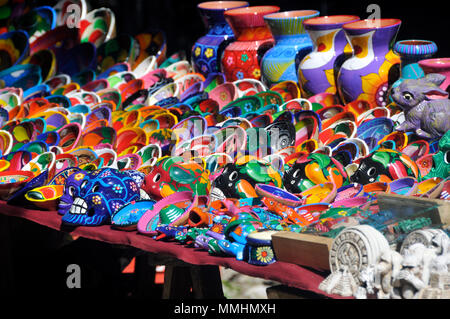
[427, 20]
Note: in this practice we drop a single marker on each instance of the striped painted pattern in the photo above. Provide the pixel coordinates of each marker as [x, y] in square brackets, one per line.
[415, 47]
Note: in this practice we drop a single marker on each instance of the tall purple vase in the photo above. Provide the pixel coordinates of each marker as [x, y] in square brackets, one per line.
[373, 68]
[318, 70]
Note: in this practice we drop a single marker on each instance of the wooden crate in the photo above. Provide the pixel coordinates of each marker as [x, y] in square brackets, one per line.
[302, 249]
[412, 207]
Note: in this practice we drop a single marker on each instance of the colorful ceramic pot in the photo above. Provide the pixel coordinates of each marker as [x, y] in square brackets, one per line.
[366, 75]
[291, 40]
[208, 49]
[439, 65]
[411, 52]
[241, 59]
[318, 70]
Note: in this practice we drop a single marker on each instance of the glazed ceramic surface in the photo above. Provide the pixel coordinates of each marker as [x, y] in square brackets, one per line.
[438, 65]
[411, 52]
[291, 39]
[207, 50]
[365, 76]
[317, 71]
[241, 59]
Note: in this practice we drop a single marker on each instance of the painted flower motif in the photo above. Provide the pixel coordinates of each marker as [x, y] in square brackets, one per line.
[248, 107]
[264, 254]
[218, 228]
[223, 96]
[204, 68]
[197, 51]
[244, 57]
[240, 75]
[105, 173]
[375, 85]
[133, 186]
[256, 73]
[229, 60]
[97, 200]
[117, 188]
[115, 206]
[342, 213]
[60, 180]
[79, 176]
[209, 53]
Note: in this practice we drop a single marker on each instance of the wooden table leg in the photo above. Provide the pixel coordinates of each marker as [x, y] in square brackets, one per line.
[6, 260]
[177, 282]
[206, 282]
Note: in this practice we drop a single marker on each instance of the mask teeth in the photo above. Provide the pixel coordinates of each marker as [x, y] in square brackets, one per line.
[79, 206]
[216, 194]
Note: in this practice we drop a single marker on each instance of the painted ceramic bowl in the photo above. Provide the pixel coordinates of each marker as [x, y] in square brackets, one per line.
[45, 197]
[406, 186]
[98, 27]
[321, 193]
[278, 194]
[127, 217]
[22, 76]
[430, 188]
[12, 181]
[14, 48]
[348, 191]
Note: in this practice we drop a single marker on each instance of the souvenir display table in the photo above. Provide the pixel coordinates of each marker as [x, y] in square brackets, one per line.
[298, 146]
[285, 273]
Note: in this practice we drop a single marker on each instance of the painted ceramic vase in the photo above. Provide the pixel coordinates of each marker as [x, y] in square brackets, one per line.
[439, 65]
[278, 64]
[318, 70]
[411, 52]
[208, 49]
[367, 74]
[241, 58]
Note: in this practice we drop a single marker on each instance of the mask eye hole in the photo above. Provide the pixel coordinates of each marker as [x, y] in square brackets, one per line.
[371, 171]
[95, 188]
[447, 157]
[83, 184]
[156, 178]
[233, 176]
[408, 96]
[71, 191]
[296, 173]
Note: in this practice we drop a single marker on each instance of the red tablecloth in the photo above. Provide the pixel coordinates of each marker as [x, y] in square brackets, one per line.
[285, 273]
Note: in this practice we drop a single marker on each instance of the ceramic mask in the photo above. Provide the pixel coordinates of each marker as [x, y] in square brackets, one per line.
[441, 160]
[238, 180]
[172, 174]
[384, 166]
[99, 194]
[315, 169]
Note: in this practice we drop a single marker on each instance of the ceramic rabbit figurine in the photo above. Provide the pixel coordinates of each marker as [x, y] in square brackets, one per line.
[425, 104]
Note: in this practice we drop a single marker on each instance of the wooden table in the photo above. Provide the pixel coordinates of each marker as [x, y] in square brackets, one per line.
[189, 272]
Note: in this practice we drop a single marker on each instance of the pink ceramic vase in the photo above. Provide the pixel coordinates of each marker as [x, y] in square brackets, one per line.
[438, 65]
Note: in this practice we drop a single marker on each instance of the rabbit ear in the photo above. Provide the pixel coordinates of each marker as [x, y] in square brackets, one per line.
[435, 78]
[435, 93]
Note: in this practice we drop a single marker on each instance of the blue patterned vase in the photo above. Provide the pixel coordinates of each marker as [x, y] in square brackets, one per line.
[291, 39]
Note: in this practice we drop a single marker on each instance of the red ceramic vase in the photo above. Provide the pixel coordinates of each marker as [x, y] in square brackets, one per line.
[241, 59]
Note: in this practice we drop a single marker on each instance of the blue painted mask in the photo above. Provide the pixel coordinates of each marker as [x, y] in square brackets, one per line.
[100, 194]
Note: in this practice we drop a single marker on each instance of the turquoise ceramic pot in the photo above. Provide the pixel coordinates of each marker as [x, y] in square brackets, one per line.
[411, 52]
[291, 40]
